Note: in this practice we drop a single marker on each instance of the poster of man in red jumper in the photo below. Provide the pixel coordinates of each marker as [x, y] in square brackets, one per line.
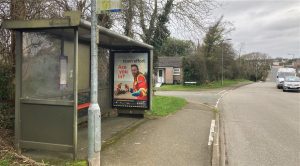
[140, 86]
[131, 79]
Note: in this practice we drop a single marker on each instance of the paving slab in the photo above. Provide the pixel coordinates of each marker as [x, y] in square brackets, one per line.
[178, 139]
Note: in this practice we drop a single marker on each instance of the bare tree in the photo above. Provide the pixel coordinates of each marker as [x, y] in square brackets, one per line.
[129, 7]
[17, 11]
[255, 65]
[5, 35]
[189, 16]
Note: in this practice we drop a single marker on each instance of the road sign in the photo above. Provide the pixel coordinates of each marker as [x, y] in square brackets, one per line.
[108, 5]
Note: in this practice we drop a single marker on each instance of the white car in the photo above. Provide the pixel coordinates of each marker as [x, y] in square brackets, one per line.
[282, 73]
[291, 83]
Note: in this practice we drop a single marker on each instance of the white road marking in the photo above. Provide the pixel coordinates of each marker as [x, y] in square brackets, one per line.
[217, 103]
[211, 132]
[221, 92]
[213, 122]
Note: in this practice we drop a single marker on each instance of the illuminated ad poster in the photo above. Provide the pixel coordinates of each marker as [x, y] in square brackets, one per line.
[131, 73]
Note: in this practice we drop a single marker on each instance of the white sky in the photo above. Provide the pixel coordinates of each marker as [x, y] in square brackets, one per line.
[268, 26]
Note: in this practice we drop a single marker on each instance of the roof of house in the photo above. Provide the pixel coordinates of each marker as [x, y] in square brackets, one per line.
[169, 62]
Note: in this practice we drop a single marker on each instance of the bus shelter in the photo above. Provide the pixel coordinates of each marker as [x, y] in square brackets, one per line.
[53, 79]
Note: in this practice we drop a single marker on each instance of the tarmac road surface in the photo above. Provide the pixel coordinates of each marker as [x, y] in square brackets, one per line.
[261, 125]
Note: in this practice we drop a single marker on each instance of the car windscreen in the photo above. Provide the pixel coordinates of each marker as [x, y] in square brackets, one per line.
[292, 79]
[284, 74]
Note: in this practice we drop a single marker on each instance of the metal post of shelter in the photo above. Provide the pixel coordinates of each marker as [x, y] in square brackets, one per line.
[151, 82]
[18, 52]
[94, 115]
[75, 92]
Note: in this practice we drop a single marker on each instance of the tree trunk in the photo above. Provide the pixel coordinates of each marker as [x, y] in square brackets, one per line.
[129, 18]
[17, 12]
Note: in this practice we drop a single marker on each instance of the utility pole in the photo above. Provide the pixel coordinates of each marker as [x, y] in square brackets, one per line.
[223, 59]
[240, 51]
[94, 113]
[256, 72]
[255, 65]
[222, 64]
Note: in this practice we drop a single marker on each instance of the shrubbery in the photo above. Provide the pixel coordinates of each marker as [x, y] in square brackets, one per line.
[6, 96]
[216, 57]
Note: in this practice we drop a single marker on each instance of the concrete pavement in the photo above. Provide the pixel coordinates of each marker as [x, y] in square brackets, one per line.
[179, 139]
[261, 126]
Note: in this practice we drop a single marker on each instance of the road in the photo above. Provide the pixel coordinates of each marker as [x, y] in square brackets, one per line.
[261, 125]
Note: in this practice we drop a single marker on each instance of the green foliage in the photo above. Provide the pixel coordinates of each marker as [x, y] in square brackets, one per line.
[162, 32]
[6, 96]
[213, 48]
[194, 69]
[165, 105]
[216, 57]
[6, 115]
[6, 87]
[176, 47]
[4, 162]
[206, 64]
[213, 38]
[77, 163]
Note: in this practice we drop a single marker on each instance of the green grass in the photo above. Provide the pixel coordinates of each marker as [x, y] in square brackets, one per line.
[5, 160]
[77, 163]
[165, 105]
[66, 162]
[212, 85]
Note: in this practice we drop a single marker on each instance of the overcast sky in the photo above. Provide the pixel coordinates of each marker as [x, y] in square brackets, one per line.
[268, 26]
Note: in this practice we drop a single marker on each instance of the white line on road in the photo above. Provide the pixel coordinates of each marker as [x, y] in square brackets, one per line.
[221, 92]
[213, 122]
[217, 103]
[211, 132]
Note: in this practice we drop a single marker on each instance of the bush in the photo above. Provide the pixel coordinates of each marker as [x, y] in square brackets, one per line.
[6, 96]
[194, 69]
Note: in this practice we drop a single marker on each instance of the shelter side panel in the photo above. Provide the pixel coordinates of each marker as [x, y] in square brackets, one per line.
[47, 123]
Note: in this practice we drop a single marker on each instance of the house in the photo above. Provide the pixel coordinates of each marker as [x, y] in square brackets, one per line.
[169, 70]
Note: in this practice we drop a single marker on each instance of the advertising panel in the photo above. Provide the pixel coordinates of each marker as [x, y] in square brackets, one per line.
[130, 80]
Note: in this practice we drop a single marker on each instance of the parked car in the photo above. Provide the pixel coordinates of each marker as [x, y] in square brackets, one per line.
[291, 83]
[282, 73]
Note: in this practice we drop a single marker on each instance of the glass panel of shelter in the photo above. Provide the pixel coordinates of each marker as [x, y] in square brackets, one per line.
[47, 64]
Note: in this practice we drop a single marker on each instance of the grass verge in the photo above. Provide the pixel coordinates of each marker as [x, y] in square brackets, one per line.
[212, 85]
[77, 163]
[165, 105]
[5, 161]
